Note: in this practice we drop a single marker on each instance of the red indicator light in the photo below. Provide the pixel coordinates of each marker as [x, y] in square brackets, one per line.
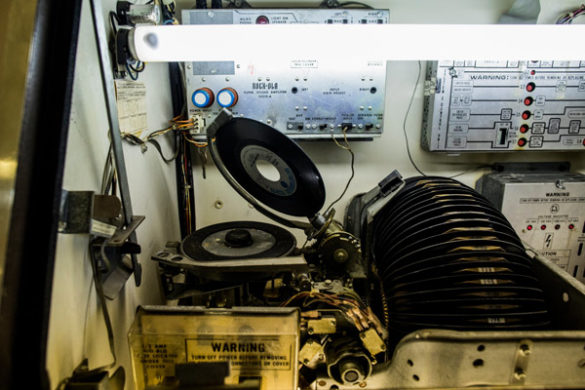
[533, 72]
[262, 20]
[571, 226]
[557, 227]
[522, 142]
[528, 101]
[526, 115]
[524, 129]
[542, 227]
[529, 227]
[530, 87]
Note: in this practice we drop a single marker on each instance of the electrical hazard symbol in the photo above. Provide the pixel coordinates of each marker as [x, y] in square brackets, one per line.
[548, 240]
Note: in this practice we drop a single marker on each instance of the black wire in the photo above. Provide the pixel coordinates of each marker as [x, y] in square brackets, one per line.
[347, 184]
[133, 76]
[100, 293]
[337, 4]
[139, 68]
[134, 140]
[348, 3]
[241, 4]
[406, 118]
[114, 17]
[158, 148]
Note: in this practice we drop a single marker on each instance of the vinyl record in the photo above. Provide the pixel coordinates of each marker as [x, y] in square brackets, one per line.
[486, 292]
[244, 143]
[496, 257]
[238, 240]
[409, 244]
[424, 252]
[469, 279]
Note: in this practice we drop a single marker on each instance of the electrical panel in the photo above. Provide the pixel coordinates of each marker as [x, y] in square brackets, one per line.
[305, 98]
[504, 106]
[547, 210]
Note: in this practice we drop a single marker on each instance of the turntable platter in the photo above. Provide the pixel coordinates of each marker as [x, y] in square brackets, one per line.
[241, 240]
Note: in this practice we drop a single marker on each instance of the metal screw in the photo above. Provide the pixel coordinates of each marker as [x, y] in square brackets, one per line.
[218, 204]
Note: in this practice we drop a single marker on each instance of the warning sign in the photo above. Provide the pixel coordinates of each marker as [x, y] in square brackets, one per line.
[243, 353]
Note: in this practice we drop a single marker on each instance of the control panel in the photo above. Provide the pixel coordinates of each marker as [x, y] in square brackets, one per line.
[305, 98]
[504, 106]
[546, 210]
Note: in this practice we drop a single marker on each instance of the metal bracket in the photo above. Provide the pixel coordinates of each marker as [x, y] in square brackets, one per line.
[84, 212]
[210, 376]
[114, 127]
[85, 379]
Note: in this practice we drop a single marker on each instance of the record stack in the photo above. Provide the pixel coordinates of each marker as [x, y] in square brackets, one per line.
[449, 259]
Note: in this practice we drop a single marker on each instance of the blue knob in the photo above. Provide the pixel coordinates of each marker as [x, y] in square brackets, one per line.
[227, 97]
[202, 98]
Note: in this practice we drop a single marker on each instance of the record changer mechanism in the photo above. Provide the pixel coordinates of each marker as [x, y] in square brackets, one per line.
[423, 275]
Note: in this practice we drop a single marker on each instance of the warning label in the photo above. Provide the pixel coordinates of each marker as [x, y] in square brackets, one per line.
[156, 356]
[574, 199]
[243, 353]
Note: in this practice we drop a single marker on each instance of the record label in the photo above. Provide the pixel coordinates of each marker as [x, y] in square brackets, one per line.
[218, 243]
[252, 155]
[238, 240]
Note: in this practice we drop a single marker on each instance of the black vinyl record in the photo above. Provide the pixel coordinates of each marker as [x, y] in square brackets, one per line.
[243, 143]
[238, 240]
[496, 257]
[486, 292]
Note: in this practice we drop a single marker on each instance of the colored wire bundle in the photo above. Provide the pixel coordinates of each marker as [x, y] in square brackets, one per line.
[570, 16]
[350, 305]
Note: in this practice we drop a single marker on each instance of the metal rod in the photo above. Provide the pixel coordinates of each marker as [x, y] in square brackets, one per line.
[114, 128]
